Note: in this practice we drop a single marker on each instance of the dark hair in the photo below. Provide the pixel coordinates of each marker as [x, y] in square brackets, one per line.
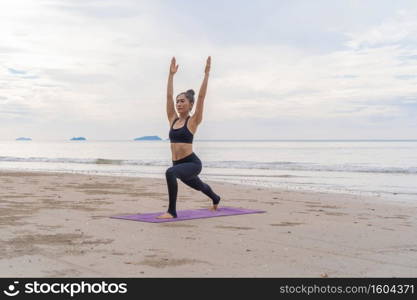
[189, 94]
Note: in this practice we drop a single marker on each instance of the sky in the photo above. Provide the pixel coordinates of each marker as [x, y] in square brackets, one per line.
[280, 69]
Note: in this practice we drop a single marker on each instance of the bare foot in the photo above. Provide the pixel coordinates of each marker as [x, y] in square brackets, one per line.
[214, 207]
[165, 216]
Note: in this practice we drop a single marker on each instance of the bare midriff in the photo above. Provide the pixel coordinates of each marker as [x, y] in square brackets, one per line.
[181, 150]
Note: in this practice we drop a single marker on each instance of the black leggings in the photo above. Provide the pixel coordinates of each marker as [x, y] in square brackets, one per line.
[186, 169]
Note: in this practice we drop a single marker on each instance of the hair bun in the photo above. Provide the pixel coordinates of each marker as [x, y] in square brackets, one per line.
[191, 92]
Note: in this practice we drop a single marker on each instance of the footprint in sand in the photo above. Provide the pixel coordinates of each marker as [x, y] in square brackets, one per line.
[286, 224]
[234, 227]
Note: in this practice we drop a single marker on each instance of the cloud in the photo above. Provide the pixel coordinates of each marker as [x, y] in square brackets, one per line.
[16, 72]
[406, 76]
[7, 49]
[407, 57]
[400, 28]
[100, 9]
[100, 62]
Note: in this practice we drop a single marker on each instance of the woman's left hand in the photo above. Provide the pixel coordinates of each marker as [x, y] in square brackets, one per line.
[208, 63]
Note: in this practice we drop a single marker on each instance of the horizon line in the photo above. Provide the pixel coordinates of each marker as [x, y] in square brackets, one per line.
[164, 140]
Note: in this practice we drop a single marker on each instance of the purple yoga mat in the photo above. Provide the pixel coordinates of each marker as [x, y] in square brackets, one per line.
[190, 214]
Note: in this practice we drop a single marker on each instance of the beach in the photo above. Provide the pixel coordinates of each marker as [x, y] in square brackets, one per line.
[58, 225]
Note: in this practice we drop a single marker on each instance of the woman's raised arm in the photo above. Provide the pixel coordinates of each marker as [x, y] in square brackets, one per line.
[171, 113]
[202, 93]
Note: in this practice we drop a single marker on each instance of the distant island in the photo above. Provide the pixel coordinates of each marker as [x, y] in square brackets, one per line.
[148, 138]
[23, 139]
[80, 138]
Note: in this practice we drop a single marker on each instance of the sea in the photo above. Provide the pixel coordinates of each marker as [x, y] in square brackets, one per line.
[384, 168]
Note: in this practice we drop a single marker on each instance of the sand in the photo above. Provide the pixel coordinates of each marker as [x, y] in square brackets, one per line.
[59, 225]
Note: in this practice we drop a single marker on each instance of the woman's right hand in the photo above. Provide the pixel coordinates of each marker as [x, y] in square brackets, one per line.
[173, 69]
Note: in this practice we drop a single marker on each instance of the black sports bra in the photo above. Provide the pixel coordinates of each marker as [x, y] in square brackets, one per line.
[181, 135]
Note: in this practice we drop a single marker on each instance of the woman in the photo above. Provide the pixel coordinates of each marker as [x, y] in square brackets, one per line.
[185, 163]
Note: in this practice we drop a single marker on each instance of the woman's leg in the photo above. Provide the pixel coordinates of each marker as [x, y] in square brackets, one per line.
[182, 171]
[199, 185]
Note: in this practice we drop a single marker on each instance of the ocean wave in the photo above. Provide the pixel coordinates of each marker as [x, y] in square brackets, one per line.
[277, 165]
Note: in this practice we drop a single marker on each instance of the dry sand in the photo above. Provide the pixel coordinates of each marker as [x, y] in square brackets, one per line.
[59, 225]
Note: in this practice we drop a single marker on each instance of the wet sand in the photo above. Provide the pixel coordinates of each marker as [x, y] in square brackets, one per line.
[59, 225]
